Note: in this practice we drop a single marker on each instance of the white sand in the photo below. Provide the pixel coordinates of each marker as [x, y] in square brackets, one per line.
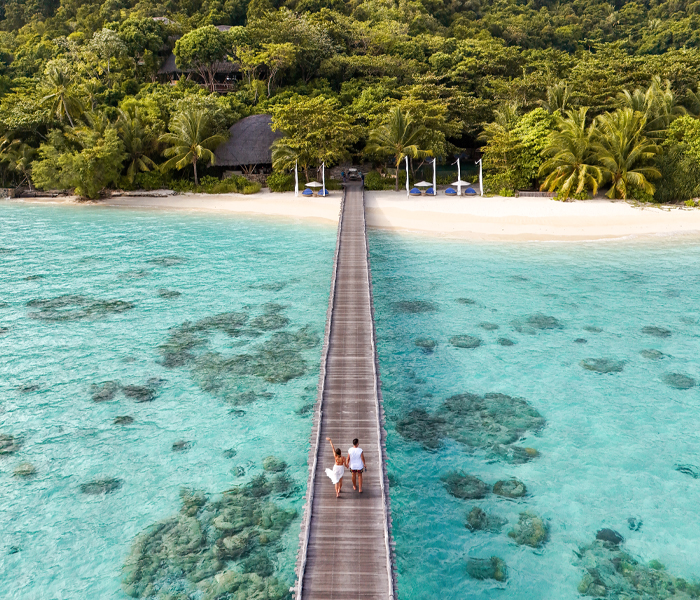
[467, 217]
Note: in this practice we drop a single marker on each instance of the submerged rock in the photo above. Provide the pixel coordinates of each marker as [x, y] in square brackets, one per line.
[28, 388]
[414, 307]
[513, 454]
[603, 365]
[489, 326]
[479, 520]
[425, 344]
[76, 308]
[634, 524]
[230, 453]
[487, 568]
[679, 381]
[123, 420]
[167, 261]
[214, 549]
[181, 446]
[611, 572]
[9, 444]
[34, 277]
[609, 536]
[660, 332]
[580, 341]
[510, 488]
[139, 393]
[465, 341]
[691, 470]
[24, 470]
[421, 426]
[530, 530]
[102, 392]
[593, 329]
[535, 323]
[101, 486]
[4, 330]
[505, 342]
[465, 301]
[652, 354]
[273, 464]
[464, 486]
[168, 294]
[134, 274]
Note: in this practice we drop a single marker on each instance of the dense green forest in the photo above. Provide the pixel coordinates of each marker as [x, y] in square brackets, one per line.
[573, 96]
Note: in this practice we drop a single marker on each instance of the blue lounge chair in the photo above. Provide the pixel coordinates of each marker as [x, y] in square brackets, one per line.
[323, 192]
[415, 192]
[470, 192]
[430, 192]
[307, 192]
[450, 192]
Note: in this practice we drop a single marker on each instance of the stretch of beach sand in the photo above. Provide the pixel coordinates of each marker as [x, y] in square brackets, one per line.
[467, 217]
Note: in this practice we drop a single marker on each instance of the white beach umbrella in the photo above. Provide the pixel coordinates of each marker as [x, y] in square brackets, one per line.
[423, 184]
[314, 184]
[460, 182]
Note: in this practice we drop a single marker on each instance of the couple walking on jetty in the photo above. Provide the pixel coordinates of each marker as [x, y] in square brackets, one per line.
[355, 461]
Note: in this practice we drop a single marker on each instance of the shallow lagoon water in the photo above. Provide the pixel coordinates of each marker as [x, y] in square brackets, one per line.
[59, 542]
[620, 445]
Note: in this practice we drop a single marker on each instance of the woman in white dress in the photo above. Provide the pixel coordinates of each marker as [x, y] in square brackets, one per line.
[337, 472]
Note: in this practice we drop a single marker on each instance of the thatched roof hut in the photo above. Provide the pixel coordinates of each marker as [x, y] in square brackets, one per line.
[249, 143]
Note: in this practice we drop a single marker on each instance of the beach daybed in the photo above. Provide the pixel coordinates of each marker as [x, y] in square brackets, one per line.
[450, 192]
[470, 192]
[430, 192]
[415, 192]
[323, 192]
[307, 192]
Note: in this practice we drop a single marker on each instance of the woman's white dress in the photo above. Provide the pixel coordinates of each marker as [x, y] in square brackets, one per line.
[336, 473]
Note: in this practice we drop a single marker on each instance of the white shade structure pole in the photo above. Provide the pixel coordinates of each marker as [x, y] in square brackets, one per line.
[296, 177]
[459, 178]
[434, 176]
[481, 184]
[408, 187]
[323, 175]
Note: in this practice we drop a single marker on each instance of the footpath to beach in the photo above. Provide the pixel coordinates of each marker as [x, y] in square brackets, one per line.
[488, 218]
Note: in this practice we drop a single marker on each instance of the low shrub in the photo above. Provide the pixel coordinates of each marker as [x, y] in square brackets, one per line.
[152, 180]
[280, 182]
[375, 182]
[236, 184]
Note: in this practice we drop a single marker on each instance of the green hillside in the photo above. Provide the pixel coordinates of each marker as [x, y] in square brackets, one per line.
[82, 103]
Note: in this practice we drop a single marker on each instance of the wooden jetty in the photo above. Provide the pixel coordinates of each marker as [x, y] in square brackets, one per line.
[346, 548]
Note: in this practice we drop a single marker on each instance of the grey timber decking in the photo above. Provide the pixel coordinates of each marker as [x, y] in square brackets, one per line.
[346, 549]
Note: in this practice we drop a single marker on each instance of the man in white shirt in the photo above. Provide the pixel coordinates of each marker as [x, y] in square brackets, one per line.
[357, 464]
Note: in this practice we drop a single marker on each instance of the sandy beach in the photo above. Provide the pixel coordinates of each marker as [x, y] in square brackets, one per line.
[475, 217]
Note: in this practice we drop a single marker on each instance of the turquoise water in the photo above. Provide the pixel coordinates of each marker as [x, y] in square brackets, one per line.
[618, 449]
[205, 423]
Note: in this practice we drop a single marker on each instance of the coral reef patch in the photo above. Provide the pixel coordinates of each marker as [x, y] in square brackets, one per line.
[167, 261]
[505, 342]
[489, 326]
[465, 341]
[487, 568]
[510, 488]
[213, 549]
[9, 444]
[414, 307]
[24, 470]
[466, 487]
[101, 486]
[428, 345]
[593, 329]
[679, 381]
[167, 294]
[536, 322]
[123, 420]
[105, 391]
[465, 301]
[603, 365]
[75, 308]
[659, 332]
[652, 354]
[530, 530]
[479, 520]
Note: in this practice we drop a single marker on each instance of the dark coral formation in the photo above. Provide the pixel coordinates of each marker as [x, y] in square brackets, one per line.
[530, 530]
[479, 520]
[4, 250]
[24, 470]
[213, 549]
[603, 365]
[414, 307]
[181, 446]
[123, 420]
[272, 464]
[610, 536]
[660, 332]
[235, 378]
[428, 345]
[652, 354]
[9, 444]
[75, 308]
[612, 573]
[465, 341]
[536, 322]
[101, 486]
[134, 274]
[489, 326]
[167, 261]
[168, 294]
[102, 392]
[510, 488]
[28, 388]
[580, 341]
[465, 301]
[487, 568]
[464, 486]
[34, 277]
[493, 421]
[505, 342]
[679, 381]
[593, 329]
[139, 393]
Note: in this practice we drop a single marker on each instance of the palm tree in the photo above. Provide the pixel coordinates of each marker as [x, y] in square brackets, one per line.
[136, 143]
[570, 167]
[558, 98]
[658, 103]
[189, 141]
[399, 138]
[61, 94]
[19, 157]
[623, 152]
[285, 158]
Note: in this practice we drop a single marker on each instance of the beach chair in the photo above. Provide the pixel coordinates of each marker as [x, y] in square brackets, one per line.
[470, 192]
[450, 192]
[307, 192]
[415, 192]
[430, 192]
[323, 193]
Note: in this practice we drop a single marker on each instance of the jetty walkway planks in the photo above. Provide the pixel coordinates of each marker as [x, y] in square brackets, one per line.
[346, 549]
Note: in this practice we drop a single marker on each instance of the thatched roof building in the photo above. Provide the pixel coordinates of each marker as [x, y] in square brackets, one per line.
[249, 143]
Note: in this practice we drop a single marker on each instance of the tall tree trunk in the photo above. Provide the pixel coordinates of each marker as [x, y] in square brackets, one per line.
[68, 115]
[398, 162]
[194, 164]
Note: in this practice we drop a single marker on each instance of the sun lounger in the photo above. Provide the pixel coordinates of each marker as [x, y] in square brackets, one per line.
[470, 192]
[430, 192]
[415, 192]
[307, 192]
[323, 192]
[450, 192]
